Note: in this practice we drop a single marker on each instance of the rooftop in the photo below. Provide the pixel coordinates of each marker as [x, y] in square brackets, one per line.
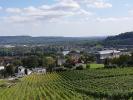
[108, 51]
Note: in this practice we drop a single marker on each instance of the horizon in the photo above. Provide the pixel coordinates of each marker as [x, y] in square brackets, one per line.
[52, 36]
[65, 18]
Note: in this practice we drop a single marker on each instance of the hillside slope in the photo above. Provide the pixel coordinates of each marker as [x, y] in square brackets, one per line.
[121, 39]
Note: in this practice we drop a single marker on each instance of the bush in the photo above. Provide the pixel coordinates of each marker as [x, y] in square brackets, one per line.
[88, 66]
[111, 66]
[80, 67]
[59, 69]
[3, 85]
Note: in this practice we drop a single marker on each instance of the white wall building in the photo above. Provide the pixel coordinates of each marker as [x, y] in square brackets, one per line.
[102, 55]
[39, 70]
[65, 52]
[2, 67]
[22, 71]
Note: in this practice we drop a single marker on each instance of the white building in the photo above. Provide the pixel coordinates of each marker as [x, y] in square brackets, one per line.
[39, 70]
[102, 55]
[65, 52]
[2, 67]
[28, 72]
[22, 71]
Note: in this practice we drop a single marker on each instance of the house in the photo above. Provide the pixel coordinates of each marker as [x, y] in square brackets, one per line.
[107, 54]
[39, 70]
[21, 71]
[75, 55]
[2, 67]
[65, 52]
[28, 72]
[9, 46]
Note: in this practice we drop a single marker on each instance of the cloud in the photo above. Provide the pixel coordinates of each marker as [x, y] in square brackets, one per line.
[17, 18]
[58, 10]
[113, 19]
[13, 10]
[102, 5]
[66, 5]
[130, 12]
[94, 3]
[64, 8]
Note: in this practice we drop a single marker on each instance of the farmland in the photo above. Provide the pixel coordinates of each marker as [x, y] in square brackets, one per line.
[95, 66]
[73, 85]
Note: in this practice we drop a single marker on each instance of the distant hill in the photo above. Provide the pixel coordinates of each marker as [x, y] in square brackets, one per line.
[121, 39]
[44, 40]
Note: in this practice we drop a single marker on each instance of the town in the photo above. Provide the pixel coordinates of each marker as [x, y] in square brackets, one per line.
[81, 67]
[16, 61]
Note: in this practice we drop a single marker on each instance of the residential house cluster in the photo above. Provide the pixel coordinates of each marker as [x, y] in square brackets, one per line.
[22, 71]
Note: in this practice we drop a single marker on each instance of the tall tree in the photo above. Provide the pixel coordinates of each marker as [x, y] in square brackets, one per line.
[49, 62]
[10, 70]
[17, 62]
[31, 62]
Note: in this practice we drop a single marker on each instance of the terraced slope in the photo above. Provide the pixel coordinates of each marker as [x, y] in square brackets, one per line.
[107, 84]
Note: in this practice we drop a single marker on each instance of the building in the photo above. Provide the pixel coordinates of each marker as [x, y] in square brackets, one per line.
[75, 55]
[39, 70]
[21, 71]
[65, 53]
[2, 67]
[107, 54]
[28, 72]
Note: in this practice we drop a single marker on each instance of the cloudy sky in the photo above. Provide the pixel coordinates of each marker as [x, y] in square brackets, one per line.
[65, 17]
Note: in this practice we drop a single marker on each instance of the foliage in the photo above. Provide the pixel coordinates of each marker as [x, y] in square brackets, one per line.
[30, 62]
[10, 70]
[17, 63]
[47, 40]
[88, 66]
[121, 39]
[80, 67]
[87, 58]
[122, 61]
[49, 62]
[69, 62]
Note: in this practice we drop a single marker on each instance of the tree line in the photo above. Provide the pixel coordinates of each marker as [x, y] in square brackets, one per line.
[122, 61]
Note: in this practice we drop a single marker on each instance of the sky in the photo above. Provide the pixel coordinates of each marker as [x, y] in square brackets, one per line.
[70, 18]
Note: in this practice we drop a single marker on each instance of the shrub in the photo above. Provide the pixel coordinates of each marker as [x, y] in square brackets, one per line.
[88, 66]
[80, 67]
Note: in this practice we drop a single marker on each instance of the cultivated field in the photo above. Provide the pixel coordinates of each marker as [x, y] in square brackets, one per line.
[96, 66]
[105, 84]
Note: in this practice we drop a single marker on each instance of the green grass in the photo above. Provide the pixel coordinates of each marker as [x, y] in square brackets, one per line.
[92, 84]
[95, 66]
[2, 81]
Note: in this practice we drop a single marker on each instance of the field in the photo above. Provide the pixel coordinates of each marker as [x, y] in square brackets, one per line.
[100, 84]
[95, 66]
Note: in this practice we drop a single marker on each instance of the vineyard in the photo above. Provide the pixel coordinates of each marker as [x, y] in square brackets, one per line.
[105, 84]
